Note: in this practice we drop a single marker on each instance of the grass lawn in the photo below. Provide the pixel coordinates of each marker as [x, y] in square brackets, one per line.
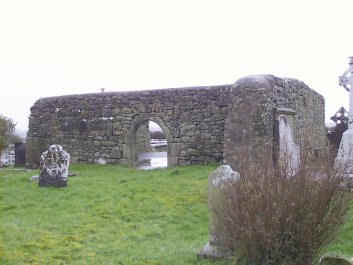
[111, 215]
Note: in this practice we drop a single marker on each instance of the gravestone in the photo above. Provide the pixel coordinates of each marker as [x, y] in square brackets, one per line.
[333, 259]
[219, 185]
[54, 167]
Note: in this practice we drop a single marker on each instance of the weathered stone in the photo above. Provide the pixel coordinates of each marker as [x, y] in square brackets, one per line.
[143, 139]
[333, 259]
[115, 153]
[220, 183]
[250, 123]
[101, 161]
[212, 121]
[34, 178]
[54, 167]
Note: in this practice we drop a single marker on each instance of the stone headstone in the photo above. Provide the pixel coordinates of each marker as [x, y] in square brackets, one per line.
[54, 167]
[219, 184]
[333, 259]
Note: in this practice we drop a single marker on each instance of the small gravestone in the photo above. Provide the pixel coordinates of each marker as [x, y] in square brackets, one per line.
[54, 167]
[333, 259]
[219, 185]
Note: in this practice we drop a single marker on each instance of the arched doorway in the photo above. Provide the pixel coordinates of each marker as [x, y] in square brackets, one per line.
[152, 147]
[130, 146]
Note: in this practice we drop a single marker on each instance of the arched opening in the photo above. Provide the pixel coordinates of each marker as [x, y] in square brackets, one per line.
[152, 146]
[139, 127]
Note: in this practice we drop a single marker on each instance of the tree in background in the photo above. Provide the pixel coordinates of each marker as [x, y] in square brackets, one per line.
[7, 129]
[335, 134]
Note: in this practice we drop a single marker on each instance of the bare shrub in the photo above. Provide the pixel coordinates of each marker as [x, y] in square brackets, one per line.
[277, 218]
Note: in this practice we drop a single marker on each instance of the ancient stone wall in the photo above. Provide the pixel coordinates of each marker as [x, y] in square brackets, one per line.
[201, 124]
[102, 126]
[251, 123]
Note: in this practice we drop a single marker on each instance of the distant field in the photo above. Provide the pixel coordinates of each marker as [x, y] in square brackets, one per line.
[111, 215]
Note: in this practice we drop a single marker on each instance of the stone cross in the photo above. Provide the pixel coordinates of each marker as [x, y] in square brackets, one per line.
[344, 158]
[346, 80]
[54, 167]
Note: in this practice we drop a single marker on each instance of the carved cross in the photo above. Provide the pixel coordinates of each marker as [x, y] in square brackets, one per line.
[346, 80]
[340, 117]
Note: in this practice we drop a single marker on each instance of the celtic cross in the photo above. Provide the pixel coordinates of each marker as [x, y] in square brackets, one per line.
[346, 80]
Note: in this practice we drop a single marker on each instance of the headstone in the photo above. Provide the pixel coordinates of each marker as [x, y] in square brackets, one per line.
[54, 167]
[333, 259]
[219, 183]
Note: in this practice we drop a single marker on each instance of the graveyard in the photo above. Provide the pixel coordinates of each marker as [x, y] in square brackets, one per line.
[113, 215]
[250, 179]
[107, 215]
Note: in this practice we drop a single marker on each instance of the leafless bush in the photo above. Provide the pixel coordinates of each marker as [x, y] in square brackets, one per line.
[277, 218]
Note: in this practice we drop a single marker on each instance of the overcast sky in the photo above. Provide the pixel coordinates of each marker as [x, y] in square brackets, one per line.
[50, 48]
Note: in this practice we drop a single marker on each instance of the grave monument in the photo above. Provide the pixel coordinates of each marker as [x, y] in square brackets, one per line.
[345, 152]
[54, 167]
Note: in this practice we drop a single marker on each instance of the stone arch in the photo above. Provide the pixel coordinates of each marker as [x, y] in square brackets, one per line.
[129, 145]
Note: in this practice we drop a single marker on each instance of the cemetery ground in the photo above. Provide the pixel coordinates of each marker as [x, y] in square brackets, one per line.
[112, 215]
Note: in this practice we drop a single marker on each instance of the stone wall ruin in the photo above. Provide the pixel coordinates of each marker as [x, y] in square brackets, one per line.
[102, 126]
[255, 104]
[201, 124]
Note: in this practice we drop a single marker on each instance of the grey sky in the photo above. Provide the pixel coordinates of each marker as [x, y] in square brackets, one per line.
[51, 48]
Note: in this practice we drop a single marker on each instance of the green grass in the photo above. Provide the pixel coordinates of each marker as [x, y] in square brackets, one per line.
[343, 245]
[106, 215]
[112, 215]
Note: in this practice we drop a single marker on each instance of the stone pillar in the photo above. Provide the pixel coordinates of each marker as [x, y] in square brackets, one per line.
[54, 167]
[345, 152]
[143, 139]
[219, 183]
